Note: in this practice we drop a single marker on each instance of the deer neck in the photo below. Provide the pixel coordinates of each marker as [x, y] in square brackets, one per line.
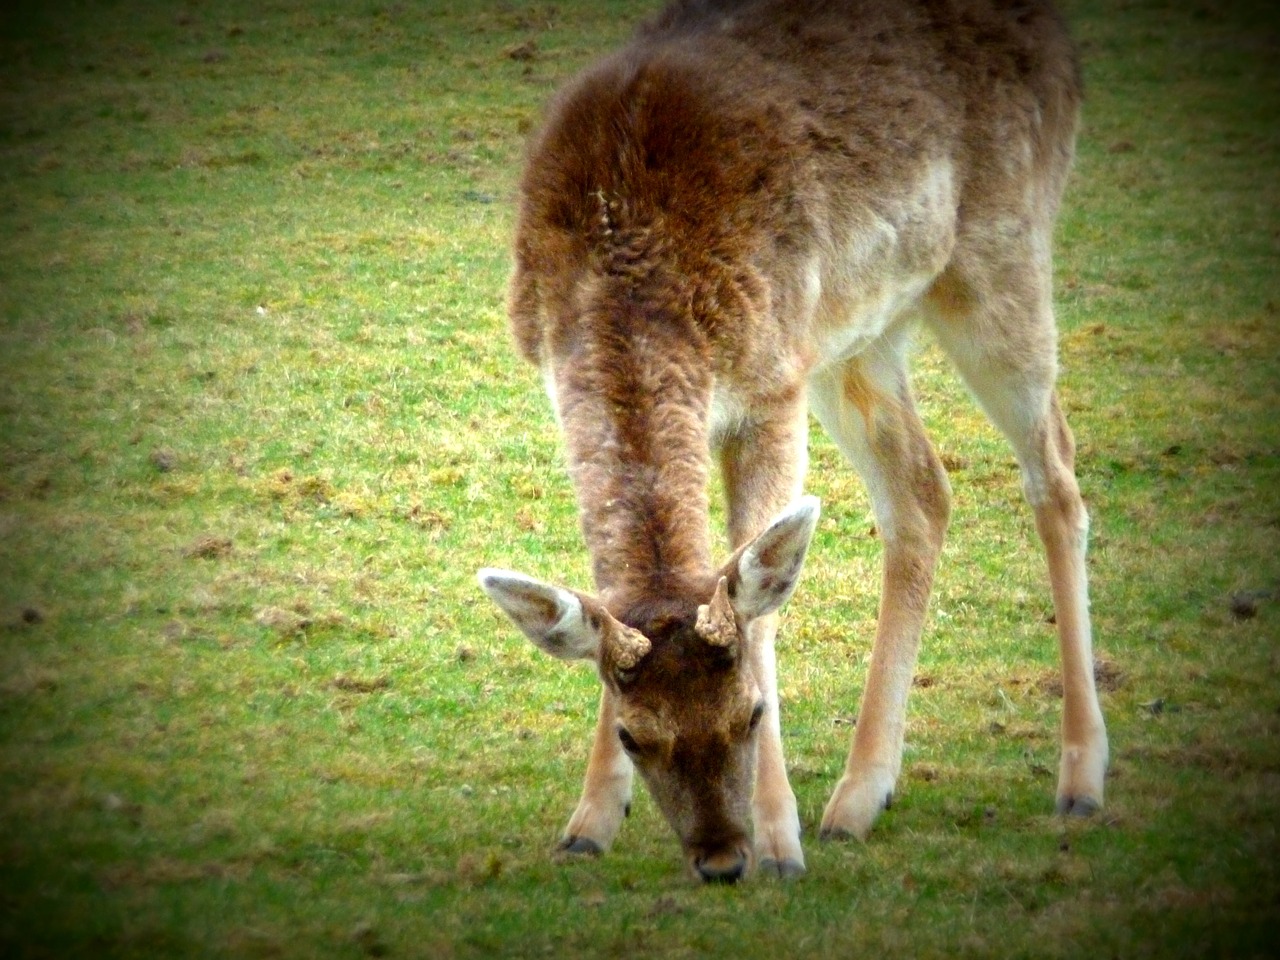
[633, 395]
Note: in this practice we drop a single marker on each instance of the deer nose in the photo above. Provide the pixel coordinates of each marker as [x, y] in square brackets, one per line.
[728, 866]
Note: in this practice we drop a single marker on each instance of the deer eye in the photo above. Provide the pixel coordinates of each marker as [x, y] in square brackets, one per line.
[756, 714]
[628, 741]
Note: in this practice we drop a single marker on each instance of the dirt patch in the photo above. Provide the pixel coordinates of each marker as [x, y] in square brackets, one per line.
[479, 869]
[925, 772]
[1224, 761]
[163, 460]
[361, 684]
[1106, 674]
[281, 621]
[523, 52]
[25, 683]
[284, 485]
[1244, 603]
[166, 871]
[208, 547]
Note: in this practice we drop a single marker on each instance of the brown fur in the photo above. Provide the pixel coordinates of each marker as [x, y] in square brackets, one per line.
[747, 208]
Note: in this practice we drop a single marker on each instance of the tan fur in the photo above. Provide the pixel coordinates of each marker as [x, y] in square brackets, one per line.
[716, 622]
[740, 218]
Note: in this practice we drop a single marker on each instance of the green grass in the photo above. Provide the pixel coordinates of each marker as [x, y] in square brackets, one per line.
[260, 421]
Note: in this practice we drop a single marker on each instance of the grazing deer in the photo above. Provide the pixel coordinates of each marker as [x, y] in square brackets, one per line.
[737, 219]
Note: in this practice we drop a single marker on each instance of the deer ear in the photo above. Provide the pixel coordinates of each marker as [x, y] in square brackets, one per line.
[768, 569]
[552, 617]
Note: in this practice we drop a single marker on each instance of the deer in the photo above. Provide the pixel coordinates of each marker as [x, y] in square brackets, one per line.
[742, 217]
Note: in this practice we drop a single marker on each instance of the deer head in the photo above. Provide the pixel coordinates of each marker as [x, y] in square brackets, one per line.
[683, 673]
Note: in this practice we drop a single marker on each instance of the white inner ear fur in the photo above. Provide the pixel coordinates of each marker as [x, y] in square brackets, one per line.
[565, 634]
[766, 584]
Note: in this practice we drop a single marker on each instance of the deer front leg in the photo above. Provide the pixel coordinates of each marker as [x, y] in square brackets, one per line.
[875, 758]
[867, 408]
[606, 790]
[763, 466]
[773, 805]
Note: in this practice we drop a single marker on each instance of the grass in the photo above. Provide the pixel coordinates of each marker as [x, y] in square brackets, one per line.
[260, 422]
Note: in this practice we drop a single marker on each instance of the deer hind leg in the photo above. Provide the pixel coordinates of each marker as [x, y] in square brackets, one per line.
[867, 408]
[606, 792]
[763, 468]
[1008, 357]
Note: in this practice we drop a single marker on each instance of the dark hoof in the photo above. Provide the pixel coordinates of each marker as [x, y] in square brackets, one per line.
[837, 833]
[1077, 806]
[787, 869]
[578, 847]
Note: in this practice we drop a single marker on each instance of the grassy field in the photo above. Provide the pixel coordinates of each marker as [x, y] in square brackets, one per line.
[260, 422]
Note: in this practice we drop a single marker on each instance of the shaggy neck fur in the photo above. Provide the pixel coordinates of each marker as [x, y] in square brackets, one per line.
[634, 397]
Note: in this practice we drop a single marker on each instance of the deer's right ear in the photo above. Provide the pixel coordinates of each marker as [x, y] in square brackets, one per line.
[552, 617]
[768, 569]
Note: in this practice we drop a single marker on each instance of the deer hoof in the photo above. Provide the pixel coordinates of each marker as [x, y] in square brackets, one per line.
[785, 869]
[578, 847]
[854, 808]
[1083, 806]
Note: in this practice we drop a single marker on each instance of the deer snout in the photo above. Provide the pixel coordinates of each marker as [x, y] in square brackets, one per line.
[728, 865]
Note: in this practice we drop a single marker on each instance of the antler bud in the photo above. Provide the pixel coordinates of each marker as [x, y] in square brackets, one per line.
[716, 623]
[627, 646]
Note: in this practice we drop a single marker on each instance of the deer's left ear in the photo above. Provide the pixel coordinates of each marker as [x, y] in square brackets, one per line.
[768, 568]
[552, 617]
